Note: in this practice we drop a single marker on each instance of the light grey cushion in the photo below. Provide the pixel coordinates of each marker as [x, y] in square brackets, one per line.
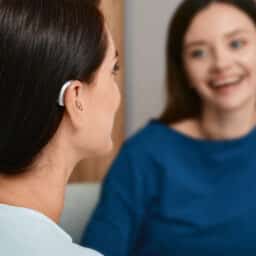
[80, 201]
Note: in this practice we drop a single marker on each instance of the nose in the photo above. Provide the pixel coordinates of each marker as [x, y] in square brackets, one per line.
[221, 60]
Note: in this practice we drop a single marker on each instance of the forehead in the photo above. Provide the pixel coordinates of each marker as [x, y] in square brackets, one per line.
[218, 19]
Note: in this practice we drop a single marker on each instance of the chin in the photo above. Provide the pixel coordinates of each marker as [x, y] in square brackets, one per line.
[236, 99]
[232, 103]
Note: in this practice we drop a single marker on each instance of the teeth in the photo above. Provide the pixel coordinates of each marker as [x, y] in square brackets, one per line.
[226, 82]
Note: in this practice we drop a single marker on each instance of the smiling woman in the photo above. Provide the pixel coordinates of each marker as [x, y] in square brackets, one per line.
[220, 62]
[211, 70]
[185, 184]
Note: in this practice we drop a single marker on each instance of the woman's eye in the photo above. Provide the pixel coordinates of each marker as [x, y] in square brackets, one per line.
[198, 53]
[237, 44]
[115, 68]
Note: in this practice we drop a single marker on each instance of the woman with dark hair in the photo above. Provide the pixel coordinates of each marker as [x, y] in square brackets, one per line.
[57, 105]
[185, 184]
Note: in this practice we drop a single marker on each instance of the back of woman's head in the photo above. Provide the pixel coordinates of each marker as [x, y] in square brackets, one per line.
[43, 43]
[182, 100]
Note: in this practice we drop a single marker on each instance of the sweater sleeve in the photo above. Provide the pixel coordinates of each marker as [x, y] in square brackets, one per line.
[115, 223]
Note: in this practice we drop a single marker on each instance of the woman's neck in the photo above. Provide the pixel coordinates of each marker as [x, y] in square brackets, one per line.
[41, 193]
[43, 187]
[227, 125]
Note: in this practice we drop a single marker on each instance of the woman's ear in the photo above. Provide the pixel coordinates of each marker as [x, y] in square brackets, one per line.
[74, 102]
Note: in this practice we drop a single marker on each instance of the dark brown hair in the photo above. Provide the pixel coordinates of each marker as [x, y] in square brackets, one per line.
[43, 44]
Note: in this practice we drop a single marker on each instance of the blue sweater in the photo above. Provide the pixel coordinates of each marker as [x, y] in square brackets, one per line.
[168, 194]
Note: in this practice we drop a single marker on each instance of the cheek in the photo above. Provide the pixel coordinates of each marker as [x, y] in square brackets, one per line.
[107, 98]
[251, 63]
[111, 95]
[248, 64]
[116, 96]
[196, 73]
[248, 59]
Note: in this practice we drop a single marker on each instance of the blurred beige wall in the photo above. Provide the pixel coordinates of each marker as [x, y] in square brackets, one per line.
[145, 30]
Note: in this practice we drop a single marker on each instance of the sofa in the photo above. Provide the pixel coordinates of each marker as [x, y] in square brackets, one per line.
[80, 200]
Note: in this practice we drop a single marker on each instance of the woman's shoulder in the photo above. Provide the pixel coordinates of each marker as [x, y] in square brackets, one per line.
[152, 133]
[77, 250]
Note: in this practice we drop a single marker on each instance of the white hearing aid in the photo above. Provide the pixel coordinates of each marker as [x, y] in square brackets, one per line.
[62, 93]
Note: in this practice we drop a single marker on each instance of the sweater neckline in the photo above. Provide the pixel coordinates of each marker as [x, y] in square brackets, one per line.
[182, 137]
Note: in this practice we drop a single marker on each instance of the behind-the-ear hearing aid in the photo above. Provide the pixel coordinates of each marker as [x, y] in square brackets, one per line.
[62, 92]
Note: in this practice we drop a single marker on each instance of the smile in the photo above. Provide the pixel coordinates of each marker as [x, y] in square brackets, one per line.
[226, 82]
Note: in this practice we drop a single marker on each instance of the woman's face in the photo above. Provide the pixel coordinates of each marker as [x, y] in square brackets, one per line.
[101, 102]
[220, 57]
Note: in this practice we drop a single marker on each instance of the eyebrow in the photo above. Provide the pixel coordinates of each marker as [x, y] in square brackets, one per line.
[227, 35]
[195, 43]
[237, 31]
